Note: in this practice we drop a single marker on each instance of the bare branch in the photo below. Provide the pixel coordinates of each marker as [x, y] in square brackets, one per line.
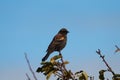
[28, 78]
[103, 58]
[30, 67]
[58, 74]
[117, 49]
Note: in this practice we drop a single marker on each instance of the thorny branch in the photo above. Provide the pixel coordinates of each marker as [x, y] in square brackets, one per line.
[30, 68]
[103, 58]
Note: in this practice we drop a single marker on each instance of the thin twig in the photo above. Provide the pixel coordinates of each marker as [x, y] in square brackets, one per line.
[91, 77]
[63, 63]
[30, 67]
[58, 74]
[103, 58]
[28, 78]
[117, 49]
[64, 66]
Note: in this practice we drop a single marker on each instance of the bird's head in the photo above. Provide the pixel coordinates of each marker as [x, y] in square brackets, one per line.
[63, 31]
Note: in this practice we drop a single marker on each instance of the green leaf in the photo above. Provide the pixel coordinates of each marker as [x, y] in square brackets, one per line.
[52, 60]
[66, 62]
[49, 70]
[48, 75]
[101, 74]
[116, 77]
[38, 70]
[82, 75]
[46, 66]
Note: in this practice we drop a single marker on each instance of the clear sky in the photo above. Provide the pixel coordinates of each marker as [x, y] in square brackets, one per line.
[29, 26]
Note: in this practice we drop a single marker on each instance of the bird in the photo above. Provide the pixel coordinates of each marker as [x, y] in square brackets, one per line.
[58, 43]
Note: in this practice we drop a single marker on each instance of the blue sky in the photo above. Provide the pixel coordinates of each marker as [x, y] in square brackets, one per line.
[29, 26]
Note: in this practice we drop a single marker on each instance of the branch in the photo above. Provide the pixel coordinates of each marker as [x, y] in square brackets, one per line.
[69, 73]
[117, 49]
[103, 58]
[91, 77]
[28, 78]
[30, 67]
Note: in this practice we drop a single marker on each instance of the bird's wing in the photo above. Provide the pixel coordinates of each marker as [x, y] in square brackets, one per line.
[56, 41]
[58, 38]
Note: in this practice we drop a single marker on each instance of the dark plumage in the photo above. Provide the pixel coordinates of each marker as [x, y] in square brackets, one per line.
[58, 43]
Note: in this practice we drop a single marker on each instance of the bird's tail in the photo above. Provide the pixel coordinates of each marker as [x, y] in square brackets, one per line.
[46, 56]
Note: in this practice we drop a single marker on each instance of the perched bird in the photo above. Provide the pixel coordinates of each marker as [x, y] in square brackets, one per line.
[58, 43]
